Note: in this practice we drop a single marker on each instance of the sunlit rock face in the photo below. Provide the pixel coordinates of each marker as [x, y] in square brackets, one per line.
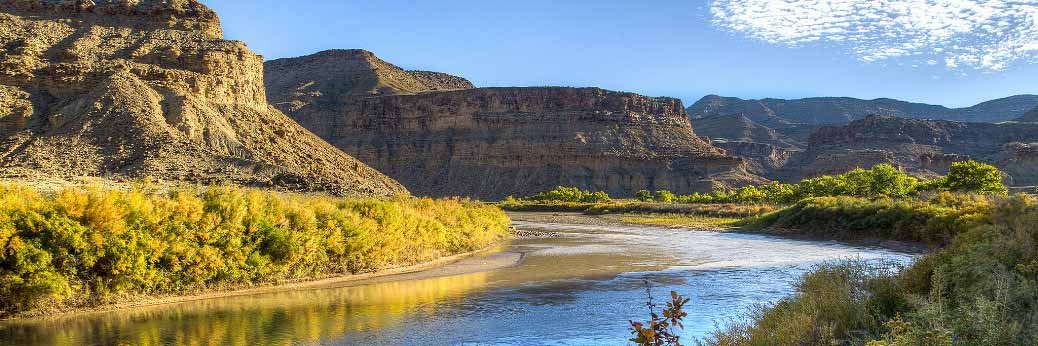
[150, 88]
[446, 138]
[923, 147]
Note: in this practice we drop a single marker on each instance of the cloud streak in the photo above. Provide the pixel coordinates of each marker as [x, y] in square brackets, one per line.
[985, 35]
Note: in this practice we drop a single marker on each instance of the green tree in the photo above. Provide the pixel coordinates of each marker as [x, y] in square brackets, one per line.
[643, 195]
[885, 180]
[973, 176]
[595, 197]
[664, 196]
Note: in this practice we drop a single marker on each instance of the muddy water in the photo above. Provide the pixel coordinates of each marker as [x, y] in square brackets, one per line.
[577, 289]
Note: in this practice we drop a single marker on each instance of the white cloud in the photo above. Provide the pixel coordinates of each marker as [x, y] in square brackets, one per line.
[979, 34]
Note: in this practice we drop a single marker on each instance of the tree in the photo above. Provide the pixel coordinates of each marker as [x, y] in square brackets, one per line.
[973, 176]
[885, 180]
[664, 196]
[643, 195]
[595, 197]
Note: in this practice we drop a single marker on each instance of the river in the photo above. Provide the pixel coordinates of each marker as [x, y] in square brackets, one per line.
[577, 289]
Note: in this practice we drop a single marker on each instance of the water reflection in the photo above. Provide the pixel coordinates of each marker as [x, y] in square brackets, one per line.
[280, 318]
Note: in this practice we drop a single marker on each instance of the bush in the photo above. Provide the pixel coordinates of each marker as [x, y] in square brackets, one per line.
[90, 246]
[973, 176]
[571, 194]
[982, 289]
[934, 221]
[644, 196]
[664, 196]
[880, 181]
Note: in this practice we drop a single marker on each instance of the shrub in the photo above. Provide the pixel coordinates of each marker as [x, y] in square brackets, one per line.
[880, 181]
[664, 196]
[982, 289]
[571, 194]
[644, 196]
[973, 176]
[89, 246]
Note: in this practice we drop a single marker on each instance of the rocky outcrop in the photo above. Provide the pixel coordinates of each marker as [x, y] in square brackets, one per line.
[923, 147]
[150, 88]
[336, 76]
[1029, 117]
[738, 128]
[762, 159]
[493, 142]
[840, 110]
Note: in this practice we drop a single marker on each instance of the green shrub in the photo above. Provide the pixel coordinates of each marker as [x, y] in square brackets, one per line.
[835, 303]
[981, 289]
[89, 246]
[973, 176]
[664, 196]
[880, 181]
[571, 194]
[643, 195]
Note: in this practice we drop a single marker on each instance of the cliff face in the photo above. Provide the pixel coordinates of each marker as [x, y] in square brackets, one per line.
[923, 146]
[737, 127]
[493, 142]
[149, 87]
[762, 159]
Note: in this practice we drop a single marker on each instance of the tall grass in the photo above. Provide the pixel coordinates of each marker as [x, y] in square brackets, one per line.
[89, 246]
[934, 220]
[981, 289]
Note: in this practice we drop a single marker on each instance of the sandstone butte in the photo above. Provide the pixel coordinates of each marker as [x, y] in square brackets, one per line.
[133, 88]
[438, 135]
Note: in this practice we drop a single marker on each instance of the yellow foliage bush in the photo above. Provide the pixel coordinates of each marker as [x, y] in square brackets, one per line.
[87, 246]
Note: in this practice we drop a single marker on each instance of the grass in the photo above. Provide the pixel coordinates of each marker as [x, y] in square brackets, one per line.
[630, 206]
[932, 220]
[980, 288]
[83, 247]
[678, 220]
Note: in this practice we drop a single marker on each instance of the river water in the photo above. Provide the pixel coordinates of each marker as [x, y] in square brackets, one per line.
[577, 289]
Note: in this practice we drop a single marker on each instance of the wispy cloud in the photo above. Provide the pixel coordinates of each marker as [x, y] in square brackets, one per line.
[979, 34]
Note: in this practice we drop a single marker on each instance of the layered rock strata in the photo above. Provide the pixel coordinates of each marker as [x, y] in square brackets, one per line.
[150, 88]
[493, 142]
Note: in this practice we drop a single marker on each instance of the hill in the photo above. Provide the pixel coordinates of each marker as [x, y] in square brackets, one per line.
[150, 88]
[839, 110]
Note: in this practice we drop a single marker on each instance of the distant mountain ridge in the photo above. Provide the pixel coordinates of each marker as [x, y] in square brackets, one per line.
[840, 110]
[1029, 117]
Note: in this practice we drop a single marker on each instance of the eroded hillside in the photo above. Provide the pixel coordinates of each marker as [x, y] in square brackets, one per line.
[150, 88]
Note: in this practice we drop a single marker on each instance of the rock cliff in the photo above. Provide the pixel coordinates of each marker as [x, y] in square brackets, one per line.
[762, 159]
[150, 88]
[493, 142]
[737, 127]
[921, 146]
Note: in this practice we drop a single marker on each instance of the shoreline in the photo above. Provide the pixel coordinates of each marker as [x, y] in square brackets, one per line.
[417, 271]
[591, 219]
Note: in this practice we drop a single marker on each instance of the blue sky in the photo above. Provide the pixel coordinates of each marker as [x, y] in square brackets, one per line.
[686, 49]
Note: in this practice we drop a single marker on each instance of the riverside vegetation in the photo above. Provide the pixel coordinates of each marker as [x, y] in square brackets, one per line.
[87, 247]
[979, 287]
